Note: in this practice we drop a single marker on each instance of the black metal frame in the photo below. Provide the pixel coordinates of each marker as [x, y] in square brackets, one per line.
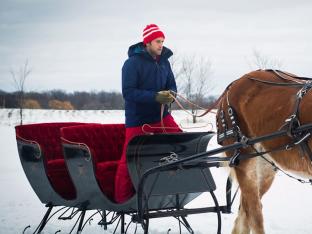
[210, 162]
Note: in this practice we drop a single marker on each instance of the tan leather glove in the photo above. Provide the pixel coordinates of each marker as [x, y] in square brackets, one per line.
[164, 97]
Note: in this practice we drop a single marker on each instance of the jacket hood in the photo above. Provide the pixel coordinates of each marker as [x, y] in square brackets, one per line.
[139, 49]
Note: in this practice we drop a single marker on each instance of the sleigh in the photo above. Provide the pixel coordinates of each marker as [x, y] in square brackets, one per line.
[162, 168]
[72, 167]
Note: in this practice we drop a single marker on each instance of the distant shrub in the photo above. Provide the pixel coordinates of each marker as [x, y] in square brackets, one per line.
[60, 105]
[31, 104]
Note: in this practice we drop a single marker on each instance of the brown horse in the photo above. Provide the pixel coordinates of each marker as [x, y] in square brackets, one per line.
[262, 101]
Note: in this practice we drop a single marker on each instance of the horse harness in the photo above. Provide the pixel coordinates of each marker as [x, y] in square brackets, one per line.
[231, 129]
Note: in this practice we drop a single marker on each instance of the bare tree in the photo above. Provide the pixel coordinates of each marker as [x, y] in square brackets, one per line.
[19, 79]
[195, 83]
[202, 84]
[187, 71]
[175, 61]
[261, 61]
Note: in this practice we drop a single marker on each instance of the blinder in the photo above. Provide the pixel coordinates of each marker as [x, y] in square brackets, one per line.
[230, 131]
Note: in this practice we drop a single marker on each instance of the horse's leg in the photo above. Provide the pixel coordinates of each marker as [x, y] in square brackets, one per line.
[241, 225]
[266, 175]
[250, 216]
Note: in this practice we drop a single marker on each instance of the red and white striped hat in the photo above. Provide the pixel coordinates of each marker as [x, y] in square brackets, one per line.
[151, 32]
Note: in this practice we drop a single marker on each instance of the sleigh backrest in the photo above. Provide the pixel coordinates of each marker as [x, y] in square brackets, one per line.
[104, 140]
[46, 136]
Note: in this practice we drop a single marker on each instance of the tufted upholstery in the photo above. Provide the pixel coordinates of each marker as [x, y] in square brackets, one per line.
[105, 142]
[105, 174]
[47, 135]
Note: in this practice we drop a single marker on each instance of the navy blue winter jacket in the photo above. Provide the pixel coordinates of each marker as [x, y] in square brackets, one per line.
[142, 78]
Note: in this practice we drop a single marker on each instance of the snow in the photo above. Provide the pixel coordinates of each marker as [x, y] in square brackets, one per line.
[286, 206]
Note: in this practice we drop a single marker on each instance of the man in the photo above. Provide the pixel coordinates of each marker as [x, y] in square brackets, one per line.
[147, 80]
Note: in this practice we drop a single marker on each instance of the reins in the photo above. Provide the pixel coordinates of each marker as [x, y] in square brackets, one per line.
[176, 97]
[163, 127]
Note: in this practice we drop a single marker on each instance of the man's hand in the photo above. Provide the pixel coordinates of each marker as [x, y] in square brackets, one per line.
[164, 97]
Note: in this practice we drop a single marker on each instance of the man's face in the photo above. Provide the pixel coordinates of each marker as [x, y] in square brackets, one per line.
[155, 46]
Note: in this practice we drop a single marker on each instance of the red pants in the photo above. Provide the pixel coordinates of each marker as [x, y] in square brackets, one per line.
[123, 185]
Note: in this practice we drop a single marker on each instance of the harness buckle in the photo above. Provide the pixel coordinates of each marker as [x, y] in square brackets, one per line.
[244, 140]
[234, 160]
[290, 118]
[302, 139]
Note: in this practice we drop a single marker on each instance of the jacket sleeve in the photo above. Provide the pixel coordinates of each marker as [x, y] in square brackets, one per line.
[130, 89]
[171, 83]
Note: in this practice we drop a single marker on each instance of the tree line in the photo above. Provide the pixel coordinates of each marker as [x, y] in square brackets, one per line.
[59, 99]
[79, 100]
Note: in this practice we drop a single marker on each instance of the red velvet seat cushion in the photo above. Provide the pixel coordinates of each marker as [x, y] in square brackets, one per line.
[60, 178]
[47, 135]
[105, 142]
[56, 165]
[105, 174]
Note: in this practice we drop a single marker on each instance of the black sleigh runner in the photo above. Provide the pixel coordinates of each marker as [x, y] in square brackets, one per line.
[72, 169]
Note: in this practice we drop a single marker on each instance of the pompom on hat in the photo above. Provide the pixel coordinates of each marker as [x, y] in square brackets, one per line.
[151, 32]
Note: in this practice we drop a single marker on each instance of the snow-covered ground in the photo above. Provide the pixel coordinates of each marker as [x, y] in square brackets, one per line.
[287, 206]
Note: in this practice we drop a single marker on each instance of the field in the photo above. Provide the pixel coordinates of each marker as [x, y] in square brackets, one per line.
[287, 206]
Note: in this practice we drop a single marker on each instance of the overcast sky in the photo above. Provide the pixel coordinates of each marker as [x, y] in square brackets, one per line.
[82, 45]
